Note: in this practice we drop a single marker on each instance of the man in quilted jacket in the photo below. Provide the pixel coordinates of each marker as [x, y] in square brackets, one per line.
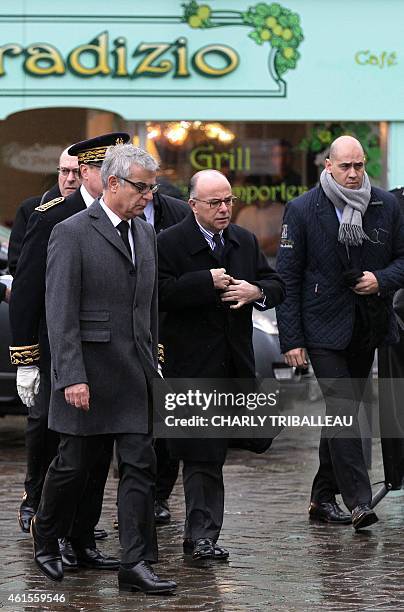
[342, 258]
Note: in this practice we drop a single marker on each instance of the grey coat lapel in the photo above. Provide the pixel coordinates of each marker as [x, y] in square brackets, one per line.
[138, 240]
[103, 225]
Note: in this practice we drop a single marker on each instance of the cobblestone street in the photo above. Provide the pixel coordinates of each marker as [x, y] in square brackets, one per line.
[278, 560]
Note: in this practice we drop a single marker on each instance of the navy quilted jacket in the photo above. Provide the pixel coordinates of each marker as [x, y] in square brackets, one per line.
[319, 309]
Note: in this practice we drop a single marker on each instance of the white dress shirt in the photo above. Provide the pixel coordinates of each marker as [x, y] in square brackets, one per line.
[149, 212]
[87, 197]
[115, 220]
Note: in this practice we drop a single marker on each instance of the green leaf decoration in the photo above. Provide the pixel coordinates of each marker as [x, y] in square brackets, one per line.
[271, 23]
[322, 135]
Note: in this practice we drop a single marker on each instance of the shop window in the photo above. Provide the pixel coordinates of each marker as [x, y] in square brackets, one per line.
[267, 164]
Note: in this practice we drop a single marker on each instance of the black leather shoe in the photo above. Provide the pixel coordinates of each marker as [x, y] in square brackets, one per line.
[162, 514]
[204, 548]
[363, 516]
[25, 515]
[141, 577]
[221, 554]
[47, 555]
[100, 534]
[93, 558]
[328, 512]
[69, 558]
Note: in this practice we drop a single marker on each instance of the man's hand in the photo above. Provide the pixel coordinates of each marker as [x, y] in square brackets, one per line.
[296, 357]
[78, 396]
[241, 292]
[221, 280]
[367, 284]
[28, 378]
[7, 295]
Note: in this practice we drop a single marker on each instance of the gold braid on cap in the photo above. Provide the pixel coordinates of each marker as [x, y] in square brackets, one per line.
[92, 155]
[24, 355]
[160, 353]
[97, 154]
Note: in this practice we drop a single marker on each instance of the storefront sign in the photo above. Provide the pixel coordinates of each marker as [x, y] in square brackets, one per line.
[100, 58]
[381, 60]
[205, 157]
[208, 60]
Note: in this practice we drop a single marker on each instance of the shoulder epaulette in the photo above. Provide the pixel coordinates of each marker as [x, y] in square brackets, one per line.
[50, 204]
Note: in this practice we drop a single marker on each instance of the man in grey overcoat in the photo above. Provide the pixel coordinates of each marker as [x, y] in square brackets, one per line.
[101, 305]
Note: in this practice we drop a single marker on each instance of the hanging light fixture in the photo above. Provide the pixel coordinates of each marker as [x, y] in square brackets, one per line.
[177, 132]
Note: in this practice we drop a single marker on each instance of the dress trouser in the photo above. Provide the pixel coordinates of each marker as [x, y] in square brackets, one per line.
[204, 499]
[41, 443]
[342, 376]
[42, 447]
[69, 479]
[167, 469]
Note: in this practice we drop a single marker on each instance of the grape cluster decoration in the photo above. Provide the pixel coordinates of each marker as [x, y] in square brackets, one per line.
[271, 23]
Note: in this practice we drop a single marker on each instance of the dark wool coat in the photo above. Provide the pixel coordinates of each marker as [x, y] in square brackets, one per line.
[319, 308]
[202, 337]
[19, 228]
[101, 312]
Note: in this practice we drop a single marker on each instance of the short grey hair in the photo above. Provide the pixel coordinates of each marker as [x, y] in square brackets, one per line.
[120, 158]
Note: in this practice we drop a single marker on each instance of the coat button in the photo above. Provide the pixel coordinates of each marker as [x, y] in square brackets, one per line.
[132, 272]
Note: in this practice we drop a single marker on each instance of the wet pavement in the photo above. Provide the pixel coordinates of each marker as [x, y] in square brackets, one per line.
[278, 560]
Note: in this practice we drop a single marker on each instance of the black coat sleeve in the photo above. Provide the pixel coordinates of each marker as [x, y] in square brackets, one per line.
[291, 263]
[27, 304]
[18, 231]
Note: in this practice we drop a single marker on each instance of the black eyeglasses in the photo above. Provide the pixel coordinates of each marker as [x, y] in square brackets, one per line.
[141, 187]
[216, 202]
[66, 171]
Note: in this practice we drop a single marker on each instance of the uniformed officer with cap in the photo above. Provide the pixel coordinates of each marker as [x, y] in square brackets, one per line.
[30, 349]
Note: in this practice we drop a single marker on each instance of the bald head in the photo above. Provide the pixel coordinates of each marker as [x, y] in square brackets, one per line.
[346, 163]
[345, 145]
[69, 178]
[206, 178]
[211, 199]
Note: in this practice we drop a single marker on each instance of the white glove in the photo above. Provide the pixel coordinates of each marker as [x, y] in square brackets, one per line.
[28, 378]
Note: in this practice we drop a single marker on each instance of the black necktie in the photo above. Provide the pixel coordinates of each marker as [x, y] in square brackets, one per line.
[219, 248]
[123, 228]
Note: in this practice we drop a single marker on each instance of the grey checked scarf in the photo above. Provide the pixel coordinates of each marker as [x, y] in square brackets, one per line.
[353, 203]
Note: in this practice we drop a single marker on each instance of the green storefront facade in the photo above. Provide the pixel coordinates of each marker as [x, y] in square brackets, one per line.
[256, 89]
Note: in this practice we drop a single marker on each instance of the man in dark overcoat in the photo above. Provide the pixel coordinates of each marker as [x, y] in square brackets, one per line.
[40, 443]
[211, 273]
[163, 212]
[30, 350]
[102, 322]
[342, 257]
